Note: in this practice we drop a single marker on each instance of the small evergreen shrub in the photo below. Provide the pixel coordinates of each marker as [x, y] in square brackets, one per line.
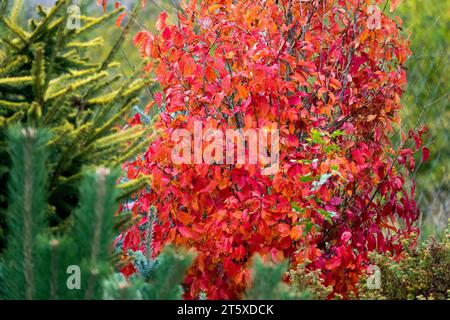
[311, 282]
[420, 273]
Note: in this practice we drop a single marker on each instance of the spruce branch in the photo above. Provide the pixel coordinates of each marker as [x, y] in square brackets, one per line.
[38, 73]
[47, 19]
[76, 85]
[127, 189]
[16, 81]
[94, 23]
[15, 10]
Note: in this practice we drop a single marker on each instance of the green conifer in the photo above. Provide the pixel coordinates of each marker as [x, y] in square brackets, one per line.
[26, 214]
[39, 261]
[49, 79]
[268, 284]
[37, 258]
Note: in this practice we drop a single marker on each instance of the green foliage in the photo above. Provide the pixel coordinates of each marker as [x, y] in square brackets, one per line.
[145, 265]
[422, 273]
[51, 77]
[165, 283]
[310, 282]
[268, 284]
[36, 258]
[94, 226]
[117, 287]
[162, 284]
[26, 216]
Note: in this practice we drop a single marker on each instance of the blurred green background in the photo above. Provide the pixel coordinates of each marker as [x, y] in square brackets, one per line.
[426, 102]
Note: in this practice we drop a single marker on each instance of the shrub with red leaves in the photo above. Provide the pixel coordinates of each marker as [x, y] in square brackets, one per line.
[329, 76]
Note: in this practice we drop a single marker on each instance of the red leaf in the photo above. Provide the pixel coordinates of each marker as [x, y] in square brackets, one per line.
[425, 154]
[335, 201]
[161, 23]
[185, 232]
[166, 34]
[295, 101]
[277, 255]
[347, 235]
[236, 72]
[333, 263]
[158, 99]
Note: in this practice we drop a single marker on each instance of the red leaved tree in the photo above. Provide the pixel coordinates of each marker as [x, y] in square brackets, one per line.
[328, 74]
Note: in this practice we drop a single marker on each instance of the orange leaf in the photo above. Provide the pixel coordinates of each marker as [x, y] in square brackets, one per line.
[296, 232]
[243, 93]
[230, 55]
[120, 18]
[210, 74]
[214, 7]
[185, 218]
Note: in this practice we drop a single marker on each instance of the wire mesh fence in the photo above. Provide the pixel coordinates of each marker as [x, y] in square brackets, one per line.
[426, 103]
[433, 176]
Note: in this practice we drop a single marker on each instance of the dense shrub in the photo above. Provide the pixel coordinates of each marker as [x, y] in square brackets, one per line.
[310, 282]
[419, 273]
[331, 83]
